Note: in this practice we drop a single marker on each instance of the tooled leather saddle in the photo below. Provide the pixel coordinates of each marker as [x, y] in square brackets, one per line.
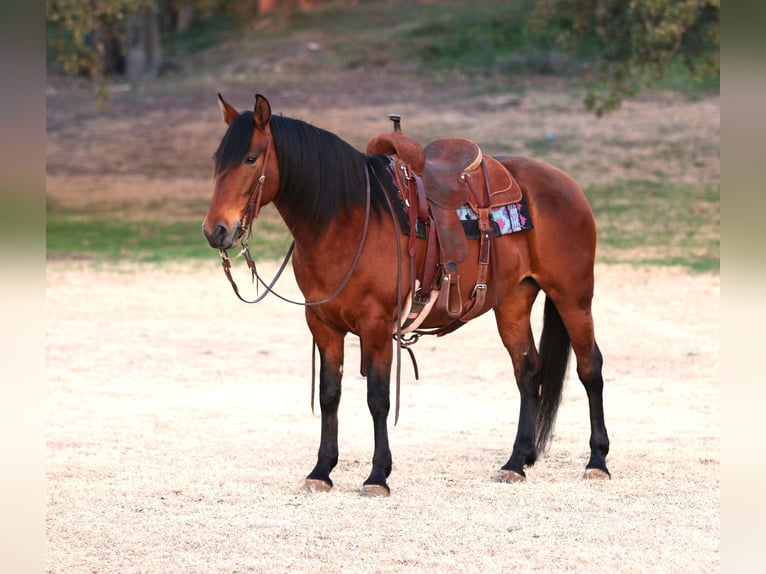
[434, 181]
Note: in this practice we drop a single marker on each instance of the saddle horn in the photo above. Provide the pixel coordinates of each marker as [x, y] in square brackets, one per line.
[396, 118]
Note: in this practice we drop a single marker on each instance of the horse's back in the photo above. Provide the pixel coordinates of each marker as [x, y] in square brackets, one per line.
[563, 241]
[549, 189]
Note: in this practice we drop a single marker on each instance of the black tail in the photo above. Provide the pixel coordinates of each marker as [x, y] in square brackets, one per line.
[554, 358]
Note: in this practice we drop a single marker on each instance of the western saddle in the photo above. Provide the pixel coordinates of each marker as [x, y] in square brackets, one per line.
[434, 181]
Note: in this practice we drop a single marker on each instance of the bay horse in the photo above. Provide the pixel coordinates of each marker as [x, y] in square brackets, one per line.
[350, 266]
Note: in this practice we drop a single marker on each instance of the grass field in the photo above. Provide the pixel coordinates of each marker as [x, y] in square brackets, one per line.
[644, 223]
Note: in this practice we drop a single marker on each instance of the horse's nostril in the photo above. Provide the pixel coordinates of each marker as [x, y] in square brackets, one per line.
[217, 236]
[219, 232]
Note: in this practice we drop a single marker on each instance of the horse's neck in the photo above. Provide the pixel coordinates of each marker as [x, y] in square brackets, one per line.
[323, 264]
[345, 231]
[340, 238]
[308, 231]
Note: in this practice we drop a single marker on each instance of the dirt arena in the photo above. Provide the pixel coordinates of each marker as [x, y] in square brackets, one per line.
[179, 431]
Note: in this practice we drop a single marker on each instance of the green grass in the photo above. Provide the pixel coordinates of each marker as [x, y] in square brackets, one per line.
[112, 240]
[647, 223]
[483, 37]
[473, 38]
[638, 222]
[679, 77]
[488, 38]
[204, 33]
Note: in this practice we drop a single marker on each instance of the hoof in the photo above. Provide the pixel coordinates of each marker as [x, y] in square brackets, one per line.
[314, 485]
[375, 490]
[596, 474]
[511, 476]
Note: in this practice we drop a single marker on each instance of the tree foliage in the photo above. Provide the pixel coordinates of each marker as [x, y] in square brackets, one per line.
[636, 39]
[90, 37]
[84, 35]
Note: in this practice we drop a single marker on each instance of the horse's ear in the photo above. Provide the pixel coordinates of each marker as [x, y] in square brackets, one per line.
[228, 112]
[262, 112]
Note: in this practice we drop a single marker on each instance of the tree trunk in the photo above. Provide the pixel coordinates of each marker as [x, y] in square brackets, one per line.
[186, 15]
[143, 54]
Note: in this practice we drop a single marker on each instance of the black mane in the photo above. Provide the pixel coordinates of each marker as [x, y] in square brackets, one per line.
[321, 176]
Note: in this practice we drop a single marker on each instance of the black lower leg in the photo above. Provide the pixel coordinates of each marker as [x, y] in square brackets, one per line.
[524, 451]
[378, 401]
[329, 399]
[593, 382]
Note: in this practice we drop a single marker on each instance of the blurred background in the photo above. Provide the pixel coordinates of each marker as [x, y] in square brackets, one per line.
[623, 95]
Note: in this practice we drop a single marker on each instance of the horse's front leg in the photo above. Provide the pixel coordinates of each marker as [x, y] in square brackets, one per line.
[330, 344]
[377, 357]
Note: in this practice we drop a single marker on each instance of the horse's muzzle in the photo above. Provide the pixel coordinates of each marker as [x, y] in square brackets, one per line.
[220, 236]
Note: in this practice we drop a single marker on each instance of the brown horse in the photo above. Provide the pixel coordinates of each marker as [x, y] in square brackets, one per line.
[350, 265]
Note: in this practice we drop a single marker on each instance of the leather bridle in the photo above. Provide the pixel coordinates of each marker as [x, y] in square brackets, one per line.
[252, 209]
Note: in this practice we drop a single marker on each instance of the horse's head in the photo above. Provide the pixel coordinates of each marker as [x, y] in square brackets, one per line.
[246, 173]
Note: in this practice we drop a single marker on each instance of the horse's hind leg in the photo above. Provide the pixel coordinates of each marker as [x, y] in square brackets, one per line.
[330, 344]
[577, 317]
[513, 323]
[599, 439]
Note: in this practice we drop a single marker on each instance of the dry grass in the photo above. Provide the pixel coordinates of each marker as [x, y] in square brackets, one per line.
[179, 431]
[164, 157]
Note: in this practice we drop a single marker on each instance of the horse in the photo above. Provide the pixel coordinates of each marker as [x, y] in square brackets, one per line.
[350, 265]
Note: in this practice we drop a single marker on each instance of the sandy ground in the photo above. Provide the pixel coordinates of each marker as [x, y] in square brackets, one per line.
[179, 430]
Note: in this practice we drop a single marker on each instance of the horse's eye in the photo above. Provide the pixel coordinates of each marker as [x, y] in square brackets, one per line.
[250, 160]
